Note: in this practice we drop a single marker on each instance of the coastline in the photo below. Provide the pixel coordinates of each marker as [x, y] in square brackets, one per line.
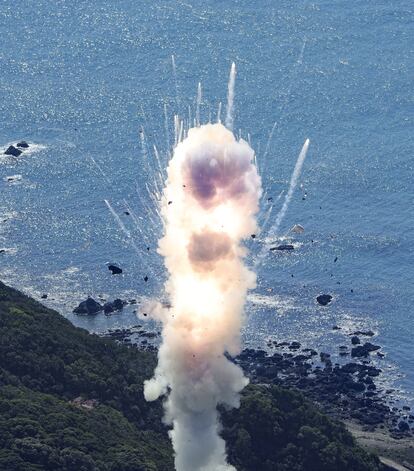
[347, 392]
[54, 369]
[344, 392]
[395, 453]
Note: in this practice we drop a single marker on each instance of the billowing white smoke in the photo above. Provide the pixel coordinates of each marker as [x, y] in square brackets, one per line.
[211, 199]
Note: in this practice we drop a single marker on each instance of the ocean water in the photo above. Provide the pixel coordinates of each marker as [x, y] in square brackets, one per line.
[87, 84]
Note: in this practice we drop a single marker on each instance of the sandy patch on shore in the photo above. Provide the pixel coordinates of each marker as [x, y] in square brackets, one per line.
[398, 454]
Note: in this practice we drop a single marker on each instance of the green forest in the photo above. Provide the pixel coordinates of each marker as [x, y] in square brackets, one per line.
[71, 401]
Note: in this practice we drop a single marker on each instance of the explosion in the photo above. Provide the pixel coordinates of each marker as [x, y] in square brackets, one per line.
[209, 207]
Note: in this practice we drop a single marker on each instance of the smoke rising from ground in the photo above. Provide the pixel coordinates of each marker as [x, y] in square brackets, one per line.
[210, 202]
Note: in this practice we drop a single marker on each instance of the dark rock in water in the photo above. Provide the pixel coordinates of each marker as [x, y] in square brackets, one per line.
[403, 426]
[364, 350]
[145, 278]
[11, 150]
[90, 306]
[108, 308]
[324, 299]
[348, 390]
[253, 236]
[355, 340]
[283, 247]
[149, 335]
[324, 356]
[23, 144]
[44, 296]
[119, 303]
[116, 305]
[372, 371]
[127, 213]
[114, 269]
[351, 368]
[366, 333]
[294, 346]
[354, 386]
[335, 327]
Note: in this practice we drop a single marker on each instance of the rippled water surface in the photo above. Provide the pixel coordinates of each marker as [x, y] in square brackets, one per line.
[80, 80]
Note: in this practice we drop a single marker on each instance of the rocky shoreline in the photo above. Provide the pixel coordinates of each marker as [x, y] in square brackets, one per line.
[350, 391]
[347, 391]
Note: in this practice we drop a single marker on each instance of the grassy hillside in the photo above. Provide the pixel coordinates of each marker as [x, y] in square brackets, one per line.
[46, 364]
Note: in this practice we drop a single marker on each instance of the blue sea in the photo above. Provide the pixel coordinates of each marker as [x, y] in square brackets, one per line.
[94, 85]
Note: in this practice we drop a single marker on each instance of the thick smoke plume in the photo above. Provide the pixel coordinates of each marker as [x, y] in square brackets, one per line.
[210, 201]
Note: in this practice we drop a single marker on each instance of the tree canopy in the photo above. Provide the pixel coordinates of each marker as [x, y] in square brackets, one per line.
[72, 401]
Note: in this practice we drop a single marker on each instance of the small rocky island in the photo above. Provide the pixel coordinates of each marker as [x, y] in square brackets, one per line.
[17, 149]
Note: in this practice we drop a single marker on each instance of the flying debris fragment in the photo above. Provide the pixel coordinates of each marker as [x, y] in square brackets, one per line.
[297, 229]
[115, 269]
[324, 299]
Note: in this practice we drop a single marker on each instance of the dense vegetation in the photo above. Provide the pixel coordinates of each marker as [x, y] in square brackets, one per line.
[45, 363]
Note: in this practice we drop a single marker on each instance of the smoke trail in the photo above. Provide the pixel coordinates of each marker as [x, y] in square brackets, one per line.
[122, 226]
[189, 116]
[174, 68]
[230, 97]
[167, 131]
[219, 113]
[281, 214]
[199, 98]
[210, 202]
[105, 176]
[292, 185]
[291, 80]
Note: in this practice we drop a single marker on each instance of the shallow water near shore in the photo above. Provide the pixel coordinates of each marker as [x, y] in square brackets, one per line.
[79, 82]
